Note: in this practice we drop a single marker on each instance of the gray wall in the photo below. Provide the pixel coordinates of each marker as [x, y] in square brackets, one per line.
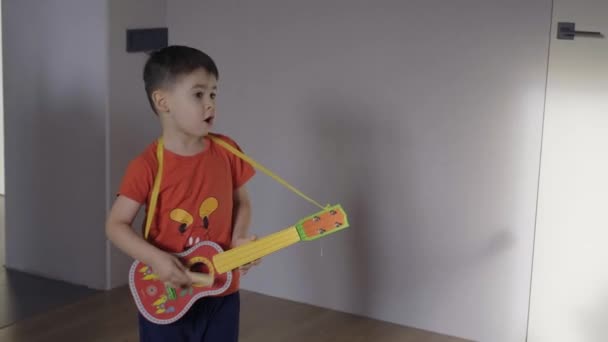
[133, 125]
[2, 176]
[55, 92]
[68, 76]
[423, 118]
[439, 103]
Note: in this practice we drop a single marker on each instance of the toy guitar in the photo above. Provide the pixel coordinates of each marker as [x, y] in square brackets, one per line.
[211, 268]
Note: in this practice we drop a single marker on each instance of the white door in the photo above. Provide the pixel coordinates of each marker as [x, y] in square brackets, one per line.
[569, 298]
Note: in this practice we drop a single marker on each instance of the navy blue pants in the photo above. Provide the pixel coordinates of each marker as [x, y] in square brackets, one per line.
[210, 319]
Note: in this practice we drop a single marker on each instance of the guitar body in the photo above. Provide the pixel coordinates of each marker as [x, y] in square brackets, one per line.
[211, 268]
[163, 305]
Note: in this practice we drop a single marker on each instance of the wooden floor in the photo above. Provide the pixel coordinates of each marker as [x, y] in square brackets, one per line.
[111, 316]
[21, 296]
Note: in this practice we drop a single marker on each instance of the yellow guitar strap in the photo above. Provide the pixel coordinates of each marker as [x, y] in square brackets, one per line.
[263, 169]
[157, 179]
[155, 188]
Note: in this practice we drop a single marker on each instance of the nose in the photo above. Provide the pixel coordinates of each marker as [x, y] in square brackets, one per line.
[209, 107]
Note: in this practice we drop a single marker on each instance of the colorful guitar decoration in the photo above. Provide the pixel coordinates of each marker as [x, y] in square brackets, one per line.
[211, 268]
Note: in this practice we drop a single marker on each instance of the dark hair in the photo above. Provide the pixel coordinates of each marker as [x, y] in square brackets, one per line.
[166, 65]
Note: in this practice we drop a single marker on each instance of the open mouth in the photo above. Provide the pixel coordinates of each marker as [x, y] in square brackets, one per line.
[209, 120]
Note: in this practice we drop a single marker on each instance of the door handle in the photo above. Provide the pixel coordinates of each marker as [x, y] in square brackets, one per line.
[568, 31]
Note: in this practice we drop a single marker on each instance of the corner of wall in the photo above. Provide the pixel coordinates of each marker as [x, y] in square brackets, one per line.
[125, 106]
[107, 41]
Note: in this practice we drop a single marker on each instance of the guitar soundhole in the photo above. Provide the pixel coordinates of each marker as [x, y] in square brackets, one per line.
[199, 267]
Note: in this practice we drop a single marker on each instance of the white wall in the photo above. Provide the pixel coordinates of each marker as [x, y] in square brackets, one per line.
[55, 93]
[422, 117]
[133, 125]
[569, 297]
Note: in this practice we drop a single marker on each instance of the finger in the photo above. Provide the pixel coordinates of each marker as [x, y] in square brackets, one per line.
[186, 281]
[179, 264]
[253, 263]
[181, 278]
[180, 284]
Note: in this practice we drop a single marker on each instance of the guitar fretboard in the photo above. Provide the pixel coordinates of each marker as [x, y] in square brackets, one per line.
[236, 257]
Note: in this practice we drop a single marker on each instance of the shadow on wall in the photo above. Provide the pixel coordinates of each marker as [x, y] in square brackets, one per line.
[360, 159]
[374, 163]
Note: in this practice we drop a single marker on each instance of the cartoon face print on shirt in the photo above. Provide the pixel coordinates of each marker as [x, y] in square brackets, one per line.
[194, 230]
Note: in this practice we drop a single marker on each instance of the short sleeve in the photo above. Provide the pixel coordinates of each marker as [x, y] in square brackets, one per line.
[137, 181]
[240, 169]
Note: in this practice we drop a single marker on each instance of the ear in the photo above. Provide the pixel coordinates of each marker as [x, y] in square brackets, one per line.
[159, 98]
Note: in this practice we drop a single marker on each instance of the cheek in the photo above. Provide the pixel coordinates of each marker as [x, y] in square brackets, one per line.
[188, 118]
[186, 110]
[183, 102]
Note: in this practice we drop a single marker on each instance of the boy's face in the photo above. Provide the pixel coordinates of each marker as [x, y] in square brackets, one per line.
[191, 103]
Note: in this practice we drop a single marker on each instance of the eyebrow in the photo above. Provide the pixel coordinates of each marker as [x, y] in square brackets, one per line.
[202, 86]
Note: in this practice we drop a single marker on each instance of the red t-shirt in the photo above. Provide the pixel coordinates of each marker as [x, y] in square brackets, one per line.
[195, 200]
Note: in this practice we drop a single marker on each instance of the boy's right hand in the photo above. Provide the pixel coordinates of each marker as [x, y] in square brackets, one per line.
[170, 270]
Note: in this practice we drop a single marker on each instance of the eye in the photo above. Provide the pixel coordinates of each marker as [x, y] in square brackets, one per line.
[213, 95]
[199, 95]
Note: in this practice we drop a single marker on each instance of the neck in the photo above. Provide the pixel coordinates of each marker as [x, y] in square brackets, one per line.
[244, 254]
[183, 144]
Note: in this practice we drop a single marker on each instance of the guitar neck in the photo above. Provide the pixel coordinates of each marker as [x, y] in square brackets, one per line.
[239, 256]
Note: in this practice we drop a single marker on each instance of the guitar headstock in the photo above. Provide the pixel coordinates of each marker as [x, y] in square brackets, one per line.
[327, 221]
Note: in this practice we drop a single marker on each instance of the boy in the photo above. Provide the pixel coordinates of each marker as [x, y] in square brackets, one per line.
[202, 193]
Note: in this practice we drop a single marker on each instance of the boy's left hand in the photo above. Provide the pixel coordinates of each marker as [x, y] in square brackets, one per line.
[242, 241]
